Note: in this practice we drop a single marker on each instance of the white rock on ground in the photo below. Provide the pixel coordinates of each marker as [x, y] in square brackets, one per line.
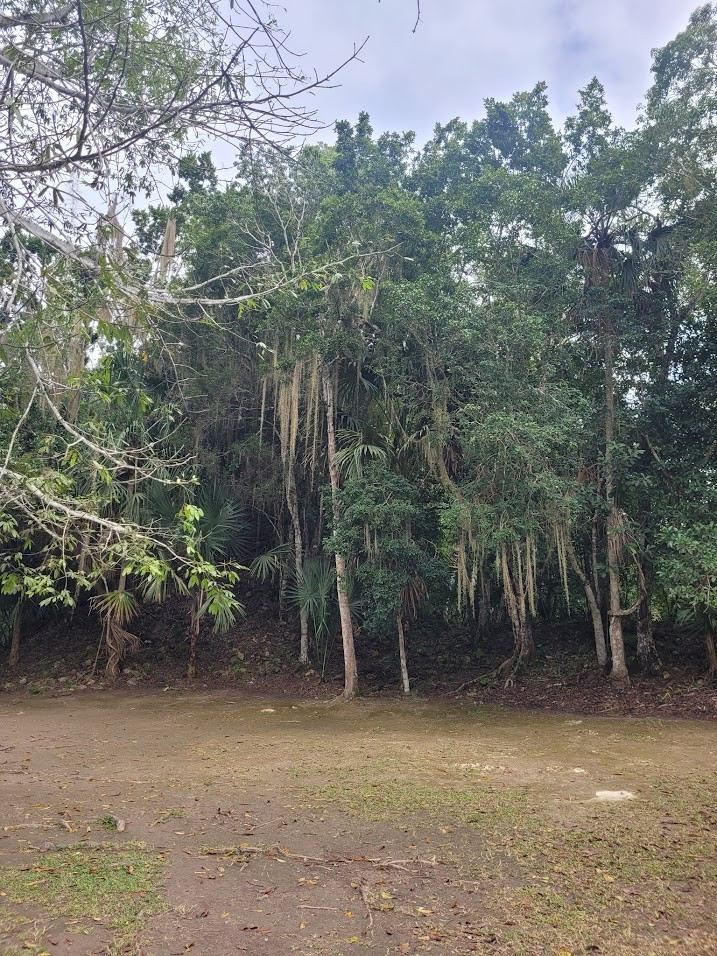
[613, 796]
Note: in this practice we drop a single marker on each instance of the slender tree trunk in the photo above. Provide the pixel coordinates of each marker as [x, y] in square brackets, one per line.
[194, 626]
[592, 601]
[292, 500]
[283, 592]
[647, 656]
[402, 655]
[594, 557]
[14, 658]
[347, 632]
[711, 652]
[523, 643]
[483, 607]
[618, 672]
[304, 646]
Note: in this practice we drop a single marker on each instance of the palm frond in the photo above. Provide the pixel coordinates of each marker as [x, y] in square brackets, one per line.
[118, 606]
[266, 565]
[357, 450]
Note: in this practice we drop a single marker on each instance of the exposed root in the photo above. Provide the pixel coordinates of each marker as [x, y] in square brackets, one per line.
[277, 852]
[367, 903]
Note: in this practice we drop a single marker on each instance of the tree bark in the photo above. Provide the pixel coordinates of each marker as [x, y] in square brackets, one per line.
[592, 601]
[347, 632]
[647, 656]
[483, 607]
[618, 672]
[523, 643]
[194, 626]
[402, 655]
[14, 658]
[292, 501]
[711, 652]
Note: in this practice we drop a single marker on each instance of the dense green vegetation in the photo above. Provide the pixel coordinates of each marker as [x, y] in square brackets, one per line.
[471, 379]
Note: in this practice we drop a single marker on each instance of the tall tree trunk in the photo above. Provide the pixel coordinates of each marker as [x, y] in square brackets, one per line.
[14, 658]
[614, 525]
[347, 631]
[402, 654]
[523, 644]
[647, 656]
[483, 607]
[283, 592]
[292, 501]
[711, 652]
[592, 602]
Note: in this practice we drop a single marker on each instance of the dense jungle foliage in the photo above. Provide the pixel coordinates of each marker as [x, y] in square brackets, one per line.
[400, 383]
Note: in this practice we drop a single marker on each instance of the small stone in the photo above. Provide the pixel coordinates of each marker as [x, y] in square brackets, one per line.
[47, 847]
[612, 796]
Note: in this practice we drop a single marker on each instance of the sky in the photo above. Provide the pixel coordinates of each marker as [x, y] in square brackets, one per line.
[466, 50]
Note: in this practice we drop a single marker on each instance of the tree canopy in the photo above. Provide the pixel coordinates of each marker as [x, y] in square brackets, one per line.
[469, 383]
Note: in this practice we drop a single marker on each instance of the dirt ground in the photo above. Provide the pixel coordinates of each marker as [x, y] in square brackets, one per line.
[161, 823]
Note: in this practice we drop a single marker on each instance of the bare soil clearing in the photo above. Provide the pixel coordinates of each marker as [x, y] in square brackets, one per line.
[271, 826]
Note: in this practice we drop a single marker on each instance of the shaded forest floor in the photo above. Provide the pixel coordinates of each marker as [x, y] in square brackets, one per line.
[162, 823]
[259, 656]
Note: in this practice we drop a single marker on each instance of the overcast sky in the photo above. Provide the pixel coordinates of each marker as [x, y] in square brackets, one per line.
[467, 50]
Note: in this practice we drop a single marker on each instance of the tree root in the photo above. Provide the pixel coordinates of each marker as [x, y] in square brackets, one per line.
[275, 852]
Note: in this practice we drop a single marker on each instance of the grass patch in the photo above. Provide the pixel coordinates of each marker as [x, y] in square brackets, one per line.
[383, 800]
[565, 878]
[112, 885]
[628, 878]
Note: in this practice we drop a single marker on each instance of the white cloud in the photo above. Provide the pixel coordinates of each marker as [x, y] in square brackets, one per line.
[467, 50]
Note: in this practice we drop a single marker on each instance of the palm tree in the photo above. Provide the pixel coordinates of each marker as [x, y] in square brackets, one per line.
[221, 535]
[218, 536]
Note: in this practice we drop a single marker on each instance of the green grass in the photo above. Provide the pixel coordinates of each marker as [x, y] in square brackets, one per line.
[394, 801]
[116, 886]
[638, 877]
[558, 877]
